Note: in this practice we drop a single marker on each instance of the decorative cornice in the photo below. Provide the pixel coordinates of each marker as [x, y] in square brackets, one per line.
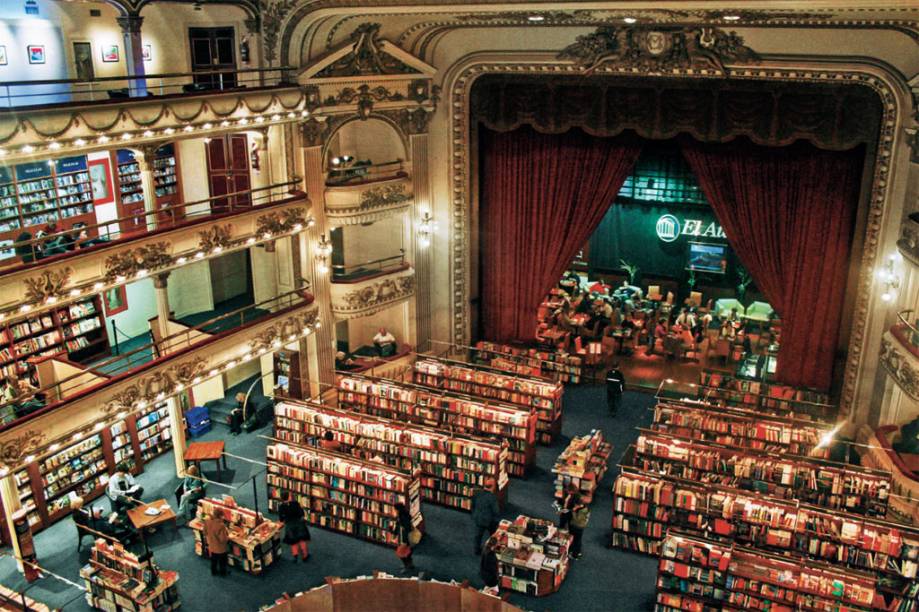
[366, 58]
[273, 13]
[281, 222]
[284, 331]
[411, 120]
[384, 195]
[901, 366]
[143, 259]
[130, 24]
[658, 49]
[375, 296]
[16, 449]
[216, 237]
[49, 284]
[156, 386]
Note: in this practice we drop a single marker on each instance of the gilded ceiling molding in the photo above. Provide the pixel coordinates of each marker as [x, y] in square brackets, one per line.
[367, 57]
[384, 195]
[155, 386]
[215, 237]
[373, 297]
[284, 331]
[50, 284]
[141, 260]
[281, 222]
[14, 450]
[273, 13]
[460, 118]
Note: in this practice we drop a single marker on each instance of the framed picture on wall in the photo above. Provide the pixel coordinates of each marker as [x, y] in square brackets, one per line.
[36, 54]
[100, 180]
[2, 55]
[148, 53]
[115, 300]
[110, 53]
[83, 61]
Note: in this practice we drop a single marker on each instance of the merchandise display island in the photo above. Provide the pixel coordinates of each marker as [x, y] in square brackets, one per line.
[254, 541]
[532, 555]
[582, 465]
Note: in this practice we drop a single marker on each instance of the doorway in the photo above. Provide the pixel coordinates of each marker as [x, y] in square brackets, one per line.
[213, 49]
[228, 171]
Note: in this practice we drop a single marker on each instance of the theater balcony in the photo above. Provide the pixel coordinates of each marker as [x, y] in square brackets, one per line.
[370, 287]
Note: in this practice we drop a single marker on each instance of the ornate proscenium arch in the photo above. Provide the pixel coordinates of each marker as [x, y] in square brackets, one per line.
[133, 7]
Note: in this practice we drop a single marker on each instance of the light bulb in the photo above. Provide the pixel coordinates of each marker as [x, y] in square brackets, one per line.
[887, 296]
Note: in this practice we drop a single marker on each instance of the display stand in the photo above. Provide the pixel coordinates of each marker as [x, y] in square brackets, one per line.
[119, 580]
[532, 555]
[445, 411]
[452, 466]
[342, 493]
[254, 541]
[582, 465]
[544, 395]
[559, 366]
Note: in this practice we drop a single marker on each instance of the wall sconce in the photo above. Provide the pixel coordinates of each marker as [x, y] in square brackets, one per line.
[889, 278]
[425, 229]
[323, 252]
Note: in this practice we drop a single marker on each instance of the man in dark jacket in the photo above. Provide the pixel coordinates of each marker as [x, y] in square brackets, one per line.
[615, 385]
[488, 565]
[485, 513]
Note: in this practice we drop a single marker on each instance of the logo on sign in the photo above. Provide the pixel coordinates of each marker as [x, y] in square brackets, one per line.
[668, 228]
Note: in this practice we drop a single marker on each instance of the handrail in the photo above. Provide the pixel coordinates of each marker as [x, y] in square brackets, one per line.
[343, 269]
[145, 76]
[187, 337]
[164, 217]
[903, 320]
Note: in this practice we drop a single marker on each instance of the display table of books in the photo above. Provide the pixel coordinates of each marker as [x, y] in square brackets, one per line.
[117, 579]
[582, 465]
[532, 555]
[254, 540]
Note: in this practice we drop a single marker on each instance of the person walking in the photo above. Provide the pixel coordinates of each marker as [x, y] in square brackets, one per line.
[615, 385]
[296, 531]
[216, 536]
[580, 514]
[488, 567]
[485, 513]
[403, 530]
[566, 505]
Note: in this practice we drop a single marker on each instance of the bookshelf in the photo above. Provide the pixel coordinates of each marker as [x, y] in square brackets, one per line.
[254, 541]
[287, 381]
[646, 505]
[154, 433]
[741, 428]
[553, 365]
[582, 465]
[445, 411]
[117, 579]
[818, 482]
[452, 466]
[166, 184]
[544, 395]
[774, 398]
[532, 555]
[343, 493]
[697, 574]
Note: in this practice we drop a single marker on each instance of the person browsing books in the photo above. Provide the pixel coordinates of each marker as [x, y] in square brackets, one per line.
[485, 512]
[296, 531]
[217, 536]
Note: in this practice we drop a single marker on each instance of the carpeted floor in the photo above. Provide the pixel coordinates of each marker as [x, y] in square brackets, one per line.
[602, 579]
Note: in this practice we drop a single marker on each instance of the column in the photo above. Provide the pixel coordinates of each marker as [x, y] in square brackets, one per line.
[177, 425]
[161, 292]
[265, 156]
[314, 184]
[144, 159]
[9, 494]
[134, 52]
[421, 254]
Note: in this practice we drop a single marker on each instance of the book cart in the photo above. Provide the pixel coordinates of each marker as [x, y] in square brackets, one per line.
[532, 555]
[445, 411]
[582, 465]
[453, 466]
[254, 541]
[117, 579]
[342, 493]
[559, 366]
[544, 395]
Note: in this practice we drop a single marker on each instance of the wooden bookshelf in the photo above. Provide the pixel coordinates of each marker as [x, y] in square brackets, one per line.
[342, 493]
[646, 505]
[544, 395]
[532, 555]
[287, 381]
[154, 432]
[453, 466]
[819, 482]
[445, 411]
[254, 541]
[773, 398]
[553, 365]
[698, 574]
[117, 579]
[167, 187]
[742, 428]
[582, 465]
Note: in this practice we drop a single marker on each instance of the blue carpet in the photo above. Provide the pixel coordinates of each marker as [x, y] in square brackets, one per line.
[128, 357]
[602, 579]
[222, 308]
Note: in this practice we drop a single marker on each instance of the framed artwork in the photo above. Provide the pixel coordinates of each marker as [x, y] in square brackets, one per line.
[110, 53]
[148, 53]
[115, 300]
[2, 55]
[100, 180]
[36, 54]
[83, 61]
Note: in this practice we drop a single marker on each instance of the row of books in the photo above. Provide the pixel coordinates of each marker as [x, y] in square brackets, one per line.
[559, 366]
[582, 465]
[254, 542]
[532, 555]
[116, 579]
[769, 397]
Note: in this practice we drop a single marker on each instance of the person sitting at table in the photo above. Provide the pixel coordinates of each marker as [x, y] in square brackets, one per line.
[93, 519]
[686, 318]
[570, 282]
[660, 332]
[727, 330]
[81, 239]
[600, 287]
[385, 342]
[584, 303]
[190, 491]
[123, 490]
[733, 316]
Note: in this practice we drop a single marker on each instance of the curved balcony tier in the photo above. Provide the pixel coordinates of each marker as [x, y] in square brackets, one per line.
[383, 191]
[371, 294]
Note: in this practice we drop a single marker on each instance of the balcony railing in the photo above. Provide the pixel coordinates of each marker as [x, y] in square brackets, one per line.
[361, 173]
[59, 244]
[369, 269]
[907, 333]
[20, 94]
[47, 397]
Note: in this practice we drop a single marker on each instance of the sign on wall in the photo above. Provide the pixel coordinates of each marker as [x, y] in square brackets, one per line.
[670, 228]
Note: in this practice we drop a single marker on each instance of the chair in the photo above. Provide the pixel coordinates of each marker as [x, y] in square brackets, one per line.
[724, 305]
[694, 300]
[654, 293]
[760, 312]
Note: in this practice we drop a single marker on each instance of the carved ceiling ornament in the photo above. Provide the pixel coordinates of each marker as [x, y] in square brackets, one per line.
[367, 57]
[384, 195]
[899, 366]
[216, 236]
[127, 264]
[48, 284]
[148, 388]
[272, 14]
[658, 49]
[16, 449]
[282, 332]
[379, 293]
[281, 222]
[411, 120]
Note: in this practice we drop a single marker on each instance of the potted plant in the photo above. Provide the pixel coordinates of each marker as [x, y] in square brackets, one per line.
[743, 281]
[631, 269]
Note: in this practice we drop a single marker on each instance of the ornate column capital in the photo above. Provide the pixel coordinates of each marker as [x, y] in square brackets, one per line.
[161, 281]
[130, 24]
[253, 26]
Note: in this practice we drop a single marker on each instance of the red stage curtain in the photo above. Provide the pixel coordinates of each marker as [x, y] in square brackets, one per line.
[542, 197]
[788, 213]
